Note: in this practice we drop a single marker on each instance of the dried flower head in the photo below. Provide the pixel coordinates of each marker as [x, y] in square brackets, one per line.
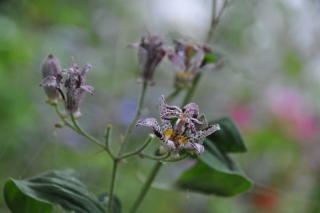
[51, 72]
[150, 53]
[76, 88]
[187, 59]
[182, 134]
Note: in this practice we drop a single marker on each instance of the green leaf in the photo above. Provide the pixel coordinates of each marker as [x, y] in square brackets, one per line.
[212, 57]
[115, 206]
[215, 173]
[209, 58]
[228, 138]
[202, 178]
[39, 193]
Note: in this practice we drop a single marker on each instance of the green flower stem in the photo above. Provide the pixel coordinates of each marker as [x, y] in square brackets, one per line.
[191, 91]
[113, 178]
[176, 159]
[107, 136]
[213, 20]
[133, 123]
[84, 134]
[158, 158]
[145, 188]
[145, 144]
[214, 23]
[108, 139]
[173, 94]
[216, 17]
[63, 119]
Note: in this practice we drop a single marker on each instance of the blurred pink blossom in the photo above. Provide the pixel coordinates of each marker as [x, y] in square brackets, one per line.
[242, 116]
[293, 111]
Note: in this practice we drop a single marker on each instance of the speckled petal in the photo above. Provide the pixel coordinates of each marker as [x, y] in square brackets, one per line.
[152, 122]
[165, 115]
[88, 88]
[198, 147]
[176, 61]
[192, 110]
[197, 60]
[50, 81]
[200, 135]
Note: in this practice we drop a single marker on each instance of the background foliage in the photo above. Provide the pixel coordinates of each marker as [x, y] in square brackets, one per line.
[269, 87]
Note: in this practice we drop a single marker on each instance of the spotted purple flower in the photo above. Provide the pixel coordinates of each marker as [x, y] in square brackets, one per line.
[150, 53]
[182, 134]
[187, 59]
[76, 88]
[74, 84]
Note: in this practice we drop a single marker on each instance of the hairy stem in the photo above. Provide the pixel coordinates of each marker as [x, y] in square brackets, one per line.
[145, 188]
[132, 124]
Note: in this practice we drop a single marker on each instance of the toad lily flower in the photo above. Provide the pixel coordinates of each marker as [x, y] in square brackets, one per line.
[76, 88]
[187, 59]
[51, 72]
[74, 84]
[183, 134]
[150, 53]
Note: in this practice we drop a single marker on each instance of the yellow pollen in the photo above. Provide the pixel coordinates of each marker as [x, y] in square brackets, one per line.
[168, 133]
[180, 74]
[181, 139]
[184, 140]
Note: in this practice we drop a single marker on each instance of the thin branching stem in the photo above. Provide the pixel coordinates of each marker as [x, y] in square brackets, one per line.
[157, 158]
[134, 207]
[216, 18]
[135, 152]
[108, 140]
[133, 123]
[112, 181]
[214, 23]
[176, 159]
[84, 134]
[63, 119]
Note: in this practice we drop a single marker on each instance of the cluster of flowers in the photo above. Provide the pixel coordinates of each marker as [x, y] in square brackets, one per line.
[178, 128]
[74, 84]
[187, 59]
[182, 134]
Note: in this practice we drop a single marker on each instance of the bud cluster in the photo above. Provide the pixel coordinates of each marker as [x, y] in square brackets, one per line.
[74, 84]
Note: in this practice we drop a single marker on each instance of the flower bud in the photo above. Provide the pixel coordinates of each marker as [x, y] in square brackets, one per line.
[59, 125]
[163, 150]
[174, 155]
[150, 52]
[51, 67]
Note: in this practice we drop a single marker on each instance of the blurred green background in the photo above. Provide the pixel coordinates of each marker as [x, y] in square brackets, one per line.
[269, 86]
